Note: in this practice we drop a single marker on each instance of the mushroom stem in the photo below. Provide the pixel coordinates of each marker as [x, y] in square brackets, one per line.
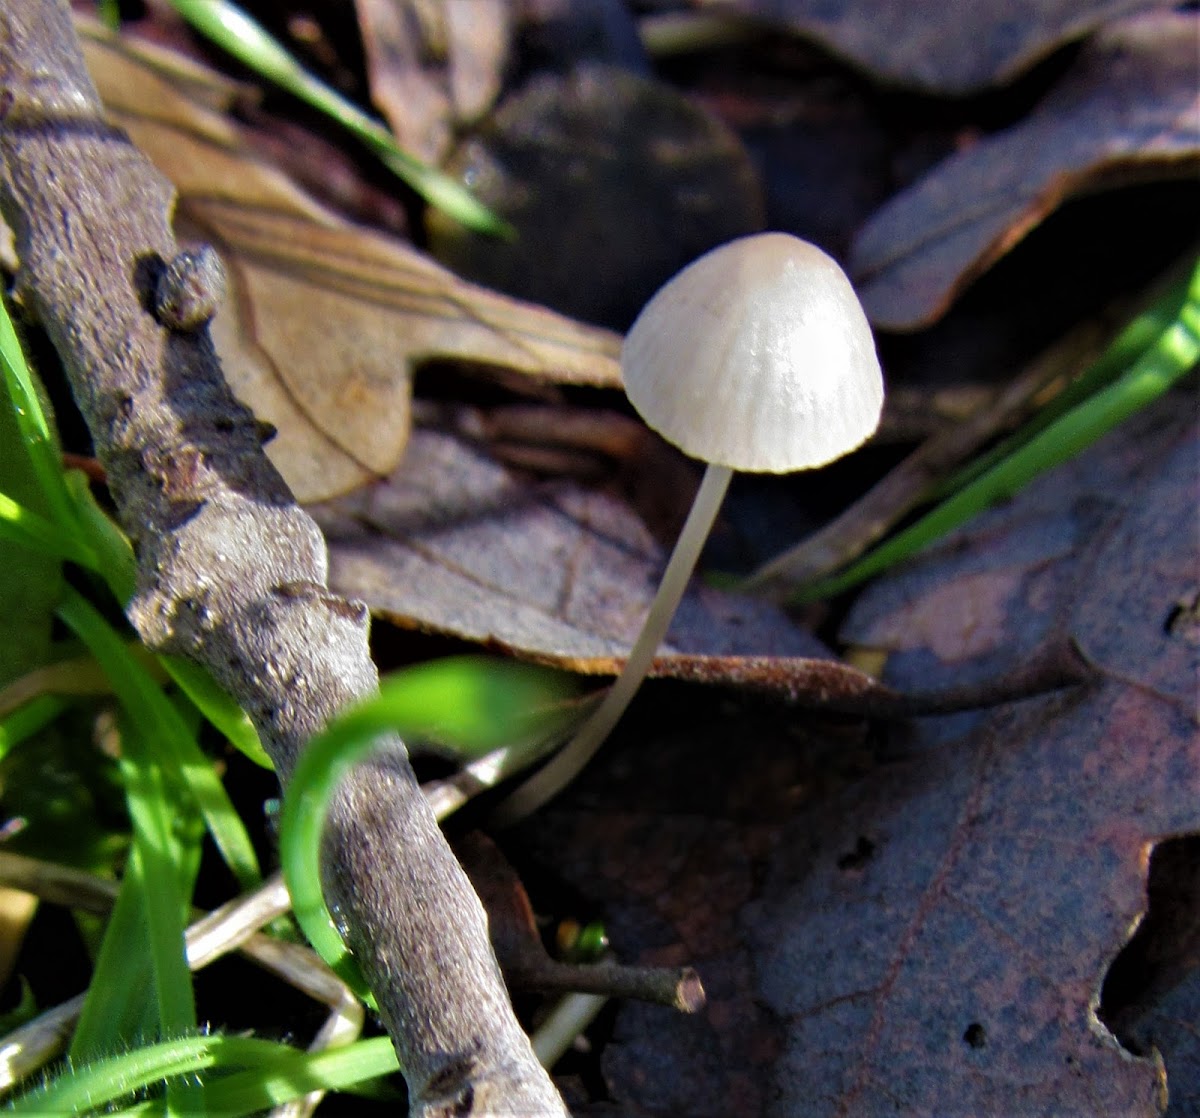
[568, 762]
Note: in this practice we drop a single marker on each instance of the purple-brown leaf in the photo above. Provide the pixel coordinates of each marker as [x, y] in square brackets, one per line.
[1128, 110]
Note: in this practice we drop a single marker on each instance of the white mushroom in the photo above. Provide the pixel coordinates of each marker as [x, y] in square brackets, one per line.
[755, 357]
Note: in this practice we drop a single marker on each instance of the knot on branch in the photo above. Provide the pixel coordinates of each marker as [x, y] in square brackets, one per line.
[189, 290]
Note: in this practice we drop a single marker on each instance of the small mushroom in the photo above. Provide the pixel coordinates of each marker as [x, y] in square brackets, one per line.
[755, 357]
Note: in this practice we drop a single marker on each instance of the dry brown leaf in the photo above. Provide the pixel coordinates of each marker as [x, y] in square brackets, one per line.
[434, 65]
[951, 49]
[454, 543]
[325, 321]
[1151, 994]
[1129, 109]
[921, 924]
[1012, 857]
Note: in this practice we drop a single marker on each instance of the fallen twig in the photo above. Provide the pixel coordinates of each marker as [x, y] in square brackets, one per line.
[231, 573]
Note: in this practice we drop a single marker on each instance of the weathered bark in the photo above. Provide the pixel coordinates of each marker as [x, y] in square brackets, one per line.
[231, 573]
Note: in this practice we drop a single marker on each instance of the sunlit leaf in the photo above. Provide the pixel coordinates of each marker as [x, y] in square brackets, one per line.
[325, 321]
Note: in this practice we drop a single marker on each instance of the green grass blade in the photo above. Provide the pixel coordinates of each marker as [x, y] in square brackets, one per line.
[295, 1075]
[142, 986]
[156, 867]
[22, 526]
[81, 531]
[166, 865]
[273, 1073]
[217, 707]
[1120, 354]
[473, 703]
[121, 1003]
[28, 719]
[109, 13]
[234, 31]
[32, 425]
[1172, 355]
[88, 1089]
[115, 559]
[439, 189]
[161, 723]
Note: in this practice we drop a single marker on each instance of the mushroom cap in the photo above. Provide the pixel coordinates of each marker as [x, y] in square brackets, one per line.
[756, 356]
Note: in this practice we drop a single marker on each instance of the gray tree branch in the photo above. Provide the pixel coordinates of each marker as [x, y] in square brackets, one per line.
[231, 573]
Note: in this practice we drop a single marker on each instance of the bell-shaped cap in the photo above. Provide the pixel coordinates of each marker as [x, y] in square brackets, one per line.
[757, 356]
